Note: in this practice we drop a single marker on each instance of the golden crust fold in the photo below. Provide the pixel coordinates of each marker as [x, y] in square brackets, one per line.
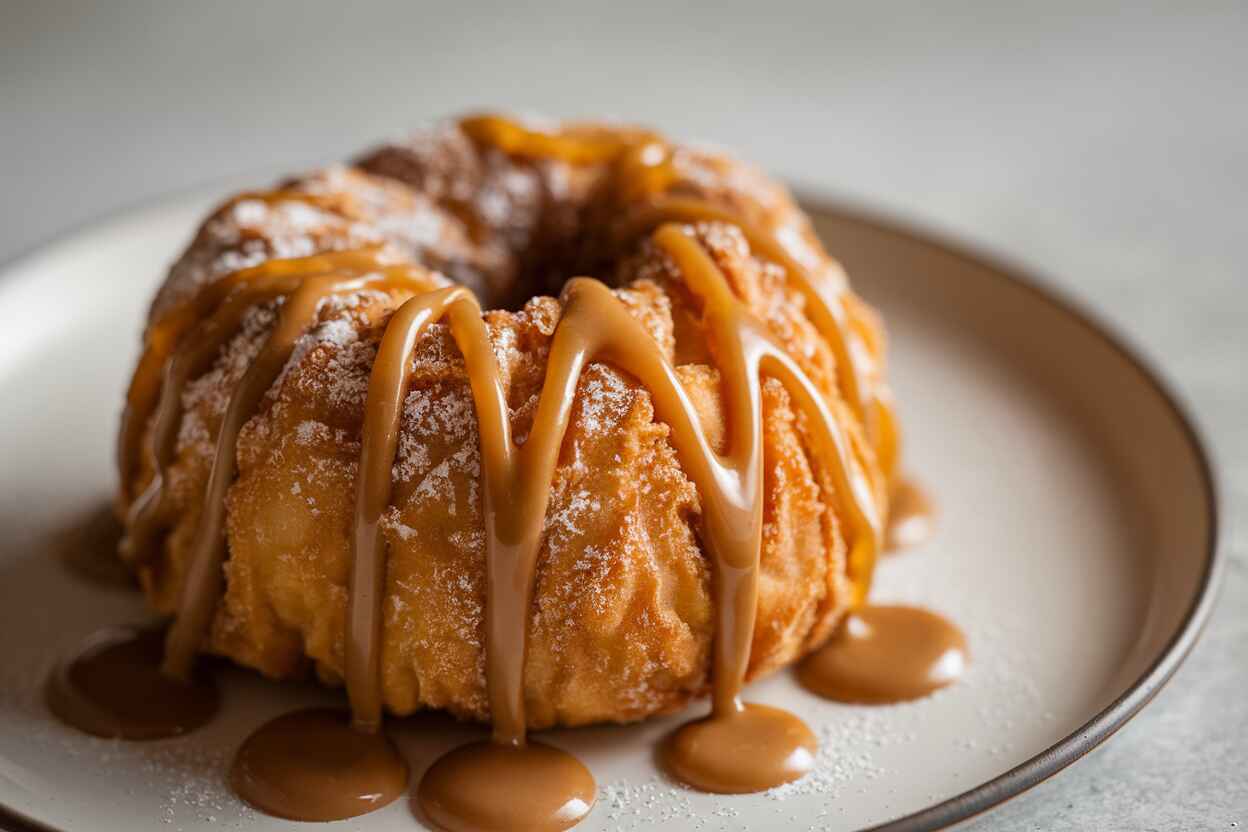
[621, 619]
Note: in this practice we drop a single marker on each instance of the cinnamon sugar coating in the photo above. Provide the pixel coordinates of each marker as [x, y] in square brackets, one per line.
[621, 619]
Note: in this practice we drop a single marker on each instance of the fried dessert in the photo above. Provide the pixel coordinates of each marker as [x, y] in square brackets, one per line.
[252, 428]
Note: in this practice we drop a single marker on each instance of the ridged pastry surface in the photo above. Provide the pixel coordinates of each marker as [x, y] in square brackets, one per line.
[621, 619]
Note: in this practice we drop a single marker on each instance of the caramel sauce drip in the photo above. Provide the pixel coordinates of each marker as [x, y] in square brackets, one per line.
[885, 654]
[187, 340]
[164, 336]
[496, 786]
[595, 326]
[203, 582]
[828, 317]
[148, 512]
[584, 145]
[643, 167]
[739, 747]
[387, 386]
[313, 766]
[294, 766]
[911, 516]
[748, 749]
[114, 688]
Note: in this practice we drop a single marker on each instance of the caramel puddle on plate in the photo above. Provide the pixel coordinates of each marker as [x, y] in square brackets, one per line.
[885, 654]
[749, 749]
[546, 789]
[911, 517]
[113, 687]
[312, 765]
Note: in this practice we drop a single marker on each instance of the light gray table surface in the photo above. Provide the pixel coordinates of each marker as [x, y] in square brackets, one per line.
[1105, 147]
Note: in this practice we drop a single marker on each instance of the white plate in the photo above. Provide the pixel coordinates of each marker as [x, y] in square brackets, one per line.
[1077, 548]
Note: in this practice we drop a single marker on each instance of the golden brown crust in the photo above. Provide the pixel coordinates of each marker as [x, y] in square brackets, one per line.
[621, 618]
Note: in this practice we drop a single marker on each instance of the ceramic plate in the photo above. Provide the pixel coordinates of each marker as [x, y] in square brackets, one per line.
[1077, 548]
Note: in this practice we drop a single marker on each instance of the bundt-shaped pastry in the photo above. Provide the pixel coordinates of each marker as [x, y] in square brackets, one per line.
[622, 613]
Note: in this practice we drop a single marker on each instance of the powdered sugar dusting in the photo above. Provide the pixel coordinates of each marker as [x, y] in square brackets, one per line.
[207, 397]
[604, 399]
[446, 413]
[647, 805]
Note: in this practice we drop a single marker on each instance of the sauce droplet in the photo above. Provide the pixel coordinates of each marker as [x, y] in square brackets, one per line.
[911, 517]
[748, 750]
[497, 786]
[114, 688]
[885, 654]
[312, 765]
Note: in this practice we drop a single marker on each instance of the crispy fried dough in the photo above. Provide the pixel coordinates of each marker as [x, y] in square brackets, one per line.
[621, 618]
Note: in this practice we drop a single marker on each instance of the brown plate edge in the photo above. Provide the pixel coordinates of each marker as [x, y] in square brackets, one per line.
[1139, 693]
[1095, 731]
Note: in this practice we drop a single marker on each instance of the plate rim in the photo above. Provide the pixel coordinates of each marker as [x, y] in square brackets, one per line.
[1105, 723]
[816, 200]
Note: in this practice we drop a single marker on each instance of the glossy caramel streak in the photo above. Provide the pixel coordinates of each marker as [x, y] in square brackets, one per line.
[728, 321]
[147, 513]
[825, 295]
[516, 491]
[203, 580]
[822, 293]
[384, 409]
[746, 748]
[643, 166]
[515, 139]
[826, 306]
[163, 336]
[594, 326]
[886, 436]
[183, 356]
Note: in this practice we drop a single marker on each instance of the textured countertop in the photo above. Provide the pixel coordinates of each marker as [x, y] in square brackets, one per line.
[1107, 148]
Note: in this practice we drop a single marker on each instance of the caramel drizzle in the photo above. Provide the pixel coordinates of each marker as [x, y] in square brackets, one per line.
[643, 166]
[164, 336]
[387, 387]
[829, 316]
[595, 326]
[173, 356]
[304, 283]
